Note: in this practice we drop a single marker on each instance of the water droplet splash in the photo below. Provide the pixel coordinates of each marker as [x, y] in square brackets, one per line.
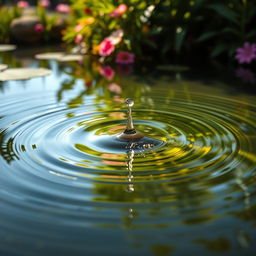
[134, 139]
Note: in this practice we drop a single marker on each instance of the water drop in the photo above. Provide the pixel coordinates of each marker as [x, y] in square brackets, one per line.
[129, 102]
[130, 133]
[134, 139]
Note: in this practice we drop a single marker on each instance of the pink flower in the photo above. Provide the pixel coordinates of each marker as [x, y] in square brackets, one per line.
[78, 39]
[107, 72]
[64, 8]
[247, 53]
[246, 75]
[45, 3]
[119, 11]
[106, 47]
[22, 4]
[113, 87]
[125, 58]
[78, 27]
[39, 28]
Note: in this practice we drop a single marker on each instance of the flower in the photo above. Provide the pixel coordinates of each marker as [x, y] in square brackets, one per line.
[246, 75]
[124, 58]
[106, 47]
[78, 39]
[45, 3]
[95, 49]
[119, 11]
[22, 4]
[107, 72]
[79, 27]
[86, 21]
[116, 36]
[64, 8]
[87, 11]
[246, 54]
[124, 69]
[115, 88]
[39, 28]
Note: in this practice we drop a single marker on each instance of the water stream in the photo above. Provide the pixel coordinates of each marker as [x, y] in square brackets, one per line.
[68, 185]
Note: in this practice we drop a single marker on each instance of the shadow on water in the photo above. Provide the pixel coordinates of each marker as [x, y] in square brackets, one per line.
[65, 190]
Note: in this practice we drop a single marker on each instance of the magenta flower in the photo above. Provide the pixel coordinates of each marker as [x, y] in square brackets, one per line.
[45, 3]
[125, 58]
[119, 11]
[39, 28]
[79, 38]
[106, 47]
[64, 8]
[246, 54]
[22, 4]
[107, 72]
[246, 75]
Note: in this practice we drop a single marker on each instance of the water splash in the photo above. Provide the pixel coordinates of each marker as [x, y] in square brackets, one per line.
[134, 139]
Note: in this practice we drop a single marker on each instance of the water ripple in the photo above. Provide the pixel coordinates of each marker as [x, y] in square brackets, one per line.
[62, 163]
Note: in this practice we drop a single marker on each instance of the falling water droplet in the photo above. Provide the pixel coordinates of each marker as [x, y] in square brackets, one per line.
[130, 133]
[133, 139]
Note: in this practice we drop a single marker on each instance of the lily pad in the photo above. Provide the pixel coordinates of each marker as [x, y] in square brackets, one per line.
[174, 68]
[7, 47]
[50, 56]
[23, 73]
[72, 57]
[3, 67]
[59, 56]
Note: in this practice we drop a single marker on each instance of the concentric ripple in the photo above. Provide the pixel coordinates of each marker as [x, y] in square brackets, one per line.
[199, 141]
[63, 162]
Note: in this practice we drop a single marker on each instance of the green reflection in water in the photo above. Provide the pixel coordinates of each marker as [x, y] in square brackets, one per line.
[199, 183]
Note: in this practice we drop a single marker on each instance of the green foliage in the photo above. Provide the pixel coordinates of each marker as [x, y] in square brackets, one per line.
[169, 27]
[231, 24]
[7, 14]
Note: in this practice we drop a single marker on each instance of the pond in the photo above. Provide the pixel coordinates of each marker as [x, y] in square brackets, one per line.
[66, 189]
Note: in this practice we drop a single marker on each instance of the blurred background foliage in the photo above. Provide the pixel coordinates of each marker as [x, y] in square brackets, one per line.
[154, 28]
[149, 29]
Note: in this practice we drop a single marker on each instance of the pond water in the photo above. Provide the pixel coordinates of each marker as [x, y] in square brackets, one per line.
[66, 188]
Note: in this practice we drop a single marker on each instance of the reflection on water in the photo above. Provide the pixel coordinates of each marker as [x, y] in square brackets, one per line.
[67, 186]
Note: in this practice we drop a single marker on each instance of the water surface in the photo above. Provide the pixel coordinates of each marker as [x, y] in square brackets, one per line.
[66, 188]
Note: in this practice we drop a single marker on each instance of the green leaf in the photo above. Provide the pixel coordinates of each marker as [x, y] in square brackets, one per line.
[251, 14]
[225, 12]
[167, 45]
[174, 68]
[179, 38]
[207, 36]
[219, 49]
[231, 31]
[251, 35]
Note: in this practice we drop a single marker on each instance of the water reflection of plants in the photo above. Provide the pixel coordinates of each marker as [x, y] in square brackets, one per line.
[102, 81]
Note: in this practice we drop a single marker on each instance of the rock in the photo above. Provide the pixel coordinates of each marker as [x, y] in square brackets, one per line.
[23, 29]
